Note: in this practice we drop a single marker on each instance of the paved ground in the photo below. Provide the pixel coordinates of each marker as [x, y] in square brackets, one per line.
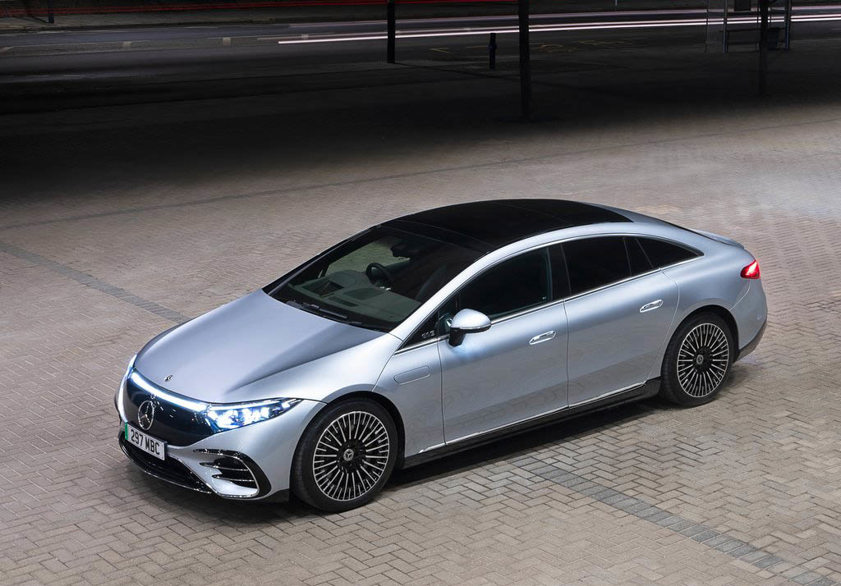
[116, 223]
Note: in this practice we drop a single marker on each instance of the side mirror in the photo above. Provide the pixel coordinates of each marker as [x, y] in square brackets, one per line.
[467, 321]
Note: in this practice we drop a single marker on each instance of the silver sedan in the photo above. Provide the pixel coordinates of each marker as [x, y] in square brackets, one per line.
[432, 333]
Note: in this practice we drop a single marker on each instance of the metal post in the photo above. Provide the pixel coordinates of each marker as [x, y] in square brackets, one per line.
[50, 14]
[724, 28]
[492, 51]
[763, 46]
[788, 25]
[525, 58]
[392, 30]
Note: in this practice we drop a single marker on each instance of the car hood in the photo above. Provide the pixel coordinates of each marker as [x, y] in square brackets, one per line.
[229, 354]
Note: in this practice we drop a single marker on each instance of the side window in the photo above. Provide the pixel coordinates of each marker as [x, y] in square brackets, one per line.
[662, 253]
[513, 285]
[595, 262]
[636, 257]
[425, 332]
[560, 279]
[435, 325]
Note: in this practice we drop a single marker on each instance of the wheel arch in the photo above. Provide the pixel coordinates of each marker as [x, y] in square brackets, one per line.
[386, 404]
[720, 311]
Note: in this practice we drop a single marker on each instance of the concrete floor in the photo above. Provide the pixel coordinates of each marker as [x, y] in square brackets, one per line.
[116, 223]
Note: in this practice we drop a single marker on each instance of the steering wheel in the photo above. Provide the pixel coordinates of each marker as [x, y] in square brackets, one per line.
[385, 277]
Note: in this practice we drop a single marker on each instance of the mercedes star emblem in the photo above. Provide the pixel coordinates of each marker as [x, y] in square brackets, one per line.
[146, 415]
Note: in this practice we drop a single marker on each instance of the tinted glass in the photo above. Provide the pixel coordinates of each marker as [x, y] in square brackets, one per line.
[560, 280]
[513, 285]
[595, 262]
[376, 279]
[426, 331]
[636, 256]
[662, 253]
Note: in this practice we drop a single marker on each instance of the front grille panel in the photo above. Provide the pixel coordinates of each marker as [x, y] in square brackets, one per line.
[170, 470]
[173, 424]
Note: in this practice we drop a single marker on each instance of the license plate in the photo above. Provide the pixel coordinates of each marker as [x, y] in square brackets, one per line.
[147, 443]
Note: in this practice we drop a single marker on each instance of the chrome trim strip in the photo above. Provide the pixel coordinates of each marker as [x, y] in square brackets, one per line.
[245, 468]
[571, 297]
[234, 481]
[432, 448]
[217, 467]
[607, 394]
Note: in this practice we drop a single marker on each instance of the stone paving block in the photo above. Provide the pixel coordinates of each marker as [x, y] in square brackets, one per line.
[744, 490]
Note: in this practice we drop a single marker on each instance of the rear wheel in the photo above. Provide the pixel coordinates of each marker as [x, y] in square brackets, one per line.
[345, 456]
[697, 360]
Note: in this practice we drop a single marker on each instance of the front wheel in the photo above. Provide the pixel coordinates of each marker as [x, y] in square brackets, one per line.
[697, 360]
[345, 456]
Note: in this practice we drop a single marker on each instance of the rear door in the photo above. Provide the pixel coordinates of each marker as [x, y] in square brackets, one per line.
[619, 313]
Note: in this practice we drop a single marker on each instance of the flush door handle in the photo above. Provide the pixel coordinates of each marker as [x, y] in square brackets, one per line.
[651, 306]
[544, 337]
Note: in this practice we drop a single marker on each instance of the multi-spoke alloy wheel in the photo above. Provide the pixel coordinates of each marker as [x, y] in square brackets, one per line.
[697, 360]
[351, 456]
[345, 456]
[702, 360]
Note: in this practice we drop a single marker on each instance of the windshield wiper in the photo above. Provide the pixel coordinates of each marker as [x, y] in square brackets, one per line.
[317, 309]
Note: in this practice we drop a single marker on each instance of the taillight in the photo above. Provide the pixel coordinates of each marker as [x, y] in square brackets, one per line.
[751, 271]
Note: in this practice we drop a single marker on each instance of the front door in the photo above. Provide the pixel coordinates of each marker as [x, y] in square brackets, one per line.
[516, 370]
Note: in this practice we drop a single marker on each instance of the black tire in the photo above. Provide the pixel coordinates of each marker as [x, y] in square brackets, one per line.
[334, 470]
[697, 364]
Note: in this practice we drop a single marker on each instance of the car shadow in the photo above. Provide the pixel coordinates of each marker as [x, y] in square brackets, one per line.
[523, 443]
[205, 507]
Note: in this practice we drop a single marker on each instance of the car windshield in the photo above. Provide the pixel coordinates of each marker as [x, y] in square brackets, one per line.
[375, 279]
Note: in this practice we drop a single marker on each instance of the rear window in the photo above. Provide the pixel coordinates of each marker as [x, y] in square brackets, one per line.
[662, 254]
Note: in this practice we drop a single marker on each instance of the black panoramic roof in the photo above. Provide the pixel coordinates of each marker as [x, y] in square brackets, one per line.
[487, 225]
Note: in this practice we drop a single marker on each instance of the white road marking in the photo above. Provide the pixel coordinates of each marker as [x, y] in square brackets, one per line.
[586, 26]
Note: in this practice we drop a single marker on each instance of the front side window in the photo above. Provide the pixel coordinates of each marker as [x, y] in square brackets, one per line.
[376, 279]
[596, 262]
[511, 286]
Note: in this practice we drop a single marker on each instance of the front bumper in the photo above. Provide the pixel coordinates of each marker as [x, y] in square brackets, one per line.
[250, 462]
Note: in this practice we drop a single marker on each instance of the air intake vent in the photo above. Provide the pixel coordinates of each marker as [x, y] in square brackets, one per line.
[233, 470]
[238, 469]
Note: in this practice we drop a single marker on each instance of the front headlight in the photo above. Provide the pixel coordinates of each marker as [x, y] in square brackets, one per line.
[224, 417]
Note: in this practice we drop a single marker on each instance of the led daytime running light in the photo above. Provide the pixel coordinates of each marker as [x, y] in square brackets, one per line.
[224, 417]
